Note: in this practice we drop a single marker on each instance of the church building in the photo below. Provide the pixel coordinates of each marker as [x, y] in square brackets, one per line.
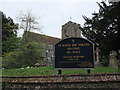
[70, 29]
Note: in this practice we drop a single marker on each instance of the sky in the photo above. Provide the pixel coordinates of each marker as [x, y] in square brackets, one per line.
[53, 13]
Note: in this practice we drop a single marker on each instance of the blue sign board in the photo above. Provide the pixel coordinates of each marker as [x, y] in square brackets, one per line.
[74, 53]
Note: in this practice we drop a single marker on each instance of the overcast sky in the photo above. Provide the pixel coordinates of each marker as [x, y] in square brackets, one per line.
[53, 13]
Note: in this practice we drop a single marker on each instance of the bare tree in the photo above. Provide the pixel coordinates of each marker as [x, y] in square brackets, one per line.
[28, 22]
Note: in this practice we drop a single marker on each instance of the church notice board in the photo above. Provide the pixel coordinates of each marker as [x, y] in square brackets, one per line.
[74, 53]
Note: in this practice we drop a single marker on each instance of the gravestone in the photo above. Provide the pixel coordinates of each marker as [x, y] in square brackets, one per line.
[113, 60]
[118, 57]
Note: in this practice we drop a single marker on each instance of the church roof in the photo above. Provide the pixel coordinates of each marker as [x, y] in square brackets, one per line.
[41, 38]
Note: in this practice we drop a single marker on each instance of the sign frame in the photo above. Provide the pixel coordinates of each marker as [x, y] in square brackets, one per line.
[93, 54]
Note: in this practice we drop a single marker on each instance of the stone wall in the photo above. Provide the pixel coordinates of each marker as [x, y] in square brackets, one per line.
[71, 29]
[85, 85]
[64, 81]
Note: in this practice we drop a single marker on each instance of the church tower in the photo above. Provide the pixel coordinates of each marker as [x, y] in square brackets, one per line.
[71, 29]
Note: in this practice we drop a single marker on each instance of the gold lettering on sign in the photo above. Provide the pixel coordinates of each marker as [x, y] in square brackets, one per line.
[66, 57]
[73, 40]
[84, 44]
[64, 45]
[68, 52]
[73, 52]
[78, 56]
[73, 45]
[73, 48]
[74, 59]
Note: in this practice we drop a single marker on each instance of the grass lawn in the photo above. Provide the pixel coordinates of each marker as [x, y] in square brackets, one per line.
[50, 70]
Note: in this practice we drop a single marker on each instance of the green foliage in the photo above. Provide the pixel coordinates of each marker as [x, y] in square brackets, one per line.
[32, 53]
[8, 27]
[104, 60]
[27, 55]
[17, 53]
[50, 70]
[104, 28]
[30, 71]
[10, 60]
[9, 34]
[11, 44]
